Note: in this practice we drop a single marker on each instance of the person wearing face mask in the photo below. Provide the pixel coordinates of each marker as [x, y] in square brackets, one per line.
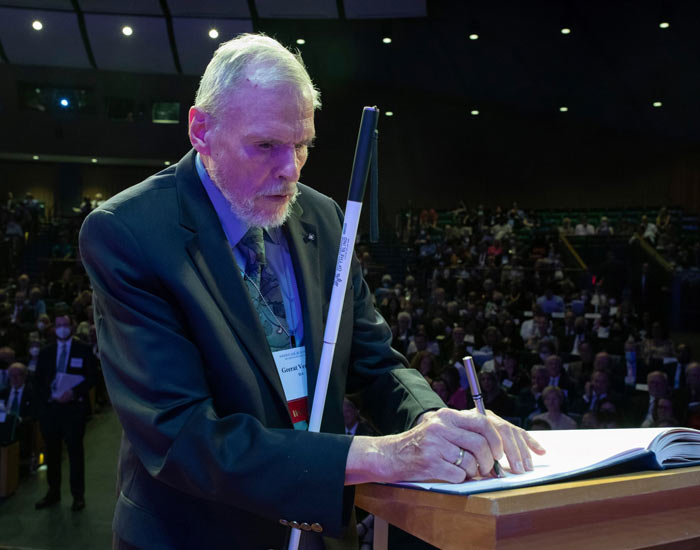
[33, 359]
[63, 408]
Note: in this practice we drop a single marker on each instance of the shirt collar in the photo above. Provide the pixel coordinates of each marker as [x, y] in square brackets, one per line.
[234, 227]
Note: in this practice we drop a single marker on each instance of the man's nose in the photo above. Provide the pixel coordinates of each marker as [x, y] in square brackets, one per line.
[290, 165]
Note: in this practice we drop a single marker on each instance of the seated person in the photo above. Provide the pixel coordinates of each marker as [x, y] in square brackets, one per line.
[529, 400]
[687, 398]
[663, 414]
[550, 302]
[560, 379]
[20, 406]
[641, 406]
[512, 376]
[553, 398]
[595, 392]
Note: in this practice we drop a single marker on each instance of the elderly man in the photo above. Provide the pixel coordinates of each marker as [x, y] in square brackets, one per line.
[212, 282]
[19, 403]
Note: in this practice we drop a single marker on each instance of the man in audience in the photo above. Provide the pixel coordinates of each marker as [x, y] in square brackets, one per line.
[559, 378]
[65, 373]
[529, 400]
[597, 391]
[20, 405]
[641, 408]
[550, 302]
[676, 371]
[584, 228]
[687, 398]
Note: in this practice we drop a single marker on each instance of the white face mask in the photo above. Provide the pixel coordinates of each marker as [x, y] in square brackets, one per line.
[63, 332]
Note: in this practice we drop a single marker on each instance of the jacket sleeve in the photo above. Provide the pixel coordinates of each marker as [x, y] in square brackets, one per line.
[156, 379]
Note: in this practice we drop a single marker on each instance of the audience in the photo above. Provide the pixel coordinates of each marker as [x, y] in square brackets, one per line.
[556, 348]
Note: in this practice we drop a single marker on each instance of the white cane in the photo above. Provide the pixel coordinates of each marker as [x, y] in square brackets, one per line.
[353, 208]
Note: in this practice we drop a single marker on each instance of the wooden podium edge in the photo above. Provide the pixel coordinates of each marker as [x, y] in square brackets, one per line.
[577, 509]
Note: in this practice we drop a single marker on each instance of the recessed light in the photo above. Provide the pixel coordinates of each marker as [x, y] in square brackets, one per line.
[213, 33]
[389, 113]
[566, 30]
[93, 161]
[35, 157]
[37, 25]
[664, 25]
[301, 41]
[386, 40]
[64, 102]
[474, 112]
[657, 104]
[127, 31]
[167, 163]
[563, 109]
[473, 36]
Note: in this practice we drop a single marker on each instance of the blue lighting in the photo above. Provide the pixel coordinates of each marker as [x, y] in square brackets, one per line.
[64, 102]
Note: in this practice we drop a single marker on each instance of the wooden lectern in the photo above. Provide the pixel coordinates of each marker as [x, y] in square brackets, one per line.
[641, 510]
[9, 468]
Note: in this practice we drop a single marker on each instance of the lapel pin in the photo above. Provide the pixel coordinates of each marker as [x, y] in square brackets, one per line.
[310, 237]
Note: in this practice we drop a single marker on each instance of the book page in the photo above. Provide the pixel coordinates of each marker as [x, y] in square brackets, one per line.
[568, 452]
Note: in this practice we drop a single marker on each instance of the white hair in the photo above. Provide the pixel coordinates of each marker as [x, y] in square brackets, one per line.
[253, 57]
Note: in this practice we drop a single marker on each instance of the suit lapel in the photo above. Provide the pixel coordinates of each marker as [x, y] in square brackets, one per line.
[303, 248]
[211, 254]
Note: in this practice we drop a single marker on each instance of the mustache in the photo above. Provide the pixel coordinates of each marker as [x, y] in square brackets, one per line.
[284, 189]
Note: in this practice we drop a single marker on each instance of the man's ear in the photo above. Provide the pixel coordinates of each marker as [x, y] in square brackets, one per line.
[200, 130]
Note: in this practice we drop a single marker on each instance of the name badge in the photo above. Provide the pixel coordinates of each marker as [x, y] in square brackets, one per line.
[291, 366]
[76, 362]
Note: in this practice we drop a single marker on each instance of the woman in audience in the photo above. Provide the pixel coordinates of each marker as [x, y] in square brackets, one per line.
[553, 398]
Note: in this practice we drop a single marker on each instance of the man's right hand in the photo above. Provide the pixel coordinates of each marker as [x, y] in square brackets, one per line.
[430, 450]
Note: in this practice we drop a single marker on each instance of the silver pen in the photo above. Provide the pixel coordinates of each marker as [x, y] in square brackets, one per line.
[478, 400]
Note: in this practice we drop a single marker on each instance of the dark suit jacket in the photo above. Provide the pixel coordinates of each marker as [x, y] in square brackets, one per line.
[209, 458]
[27, 405]
[81, 361]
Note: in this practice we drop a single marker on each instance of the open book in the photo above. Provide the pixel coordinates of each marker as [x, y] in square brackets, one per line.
[576, 453]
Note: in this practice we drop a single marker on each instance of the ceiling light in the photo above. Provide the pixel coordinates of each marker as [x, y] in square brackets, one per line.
[167, 163]
[301, 41]
[563, 109]
[657, 104]
[213, 33]
[474, 112]
[473, 36]
[37, 25]
[389, 113]
[64, 102]
[127, 31]
[664, 25]
[35, 157]
[93, 161]
[386, 40]
[566, 30]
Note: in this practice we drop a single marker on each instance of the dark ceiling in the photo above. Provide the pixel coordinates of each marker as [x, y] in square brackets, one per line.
[608, 71]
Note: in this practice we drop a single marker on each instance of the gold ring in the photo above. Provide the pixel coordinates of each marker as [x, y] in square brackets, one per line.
[461, 457]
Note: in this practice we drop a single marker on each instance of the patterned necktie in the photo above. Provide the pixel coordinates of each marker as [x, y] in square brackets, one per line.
[264, 290]
[63, 359]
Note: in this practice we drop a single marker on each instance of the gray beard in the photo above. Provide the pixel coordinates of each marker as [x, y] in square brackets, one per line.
[246, 212]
